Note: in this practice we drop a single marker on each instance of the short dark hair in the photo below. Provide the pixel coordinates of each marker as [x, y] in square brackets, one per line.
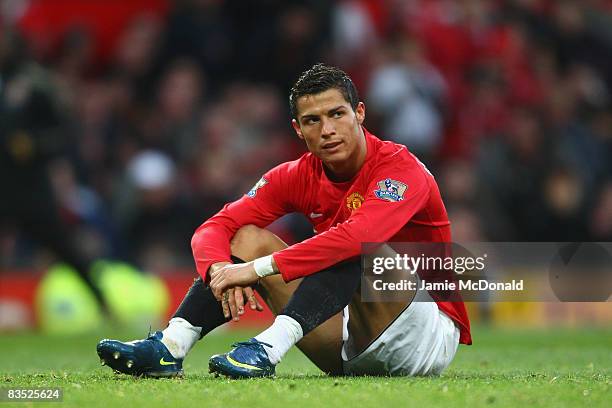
[321, 78]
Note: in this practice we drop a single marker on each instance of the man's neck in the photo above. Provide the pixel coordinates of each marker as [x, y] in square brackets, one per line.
[346, 170]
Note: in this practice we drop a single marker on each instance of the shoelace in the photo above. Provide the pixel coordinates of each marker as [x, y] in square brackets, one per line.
[251, 344]
[151, 336]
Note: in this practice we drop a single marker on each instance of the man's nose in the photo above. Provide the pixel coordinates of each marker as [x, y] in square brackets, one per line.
[327, 127]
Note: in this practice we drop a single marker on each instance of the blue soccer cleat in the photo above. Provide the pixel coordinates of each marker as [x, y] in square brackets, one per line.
[248, 359]
[147, 358]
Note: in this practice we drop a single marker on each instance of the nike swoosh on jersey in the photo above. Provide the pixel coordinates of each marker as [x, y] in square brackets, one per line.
[315, 215]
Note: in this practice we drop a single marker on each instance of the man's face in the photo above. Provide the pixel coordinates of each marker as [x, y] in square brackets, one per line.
[329, 126]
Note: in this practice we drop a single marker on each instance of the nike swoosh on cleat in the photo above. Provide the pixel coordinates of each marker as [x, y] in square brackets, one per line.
[242, 365]
[164, 363]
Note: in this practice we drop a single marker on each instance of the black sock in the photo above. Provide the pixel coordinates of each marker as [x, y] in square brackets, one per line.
[200, 307]
[322, 295]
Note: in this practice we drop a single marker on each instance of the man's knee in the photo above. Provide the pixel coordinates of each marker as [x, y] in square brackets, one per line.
[252, 242]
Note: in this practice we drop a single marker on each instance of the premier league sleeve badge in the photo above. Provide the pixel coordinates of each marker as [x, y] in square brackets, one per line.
[391, 190]
[253, 191]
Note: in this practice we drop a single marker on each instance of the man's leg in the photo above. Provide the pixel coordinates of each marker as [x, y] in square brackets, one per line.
[323, 344]
[162, 353]
[200, 312]
[317, 298]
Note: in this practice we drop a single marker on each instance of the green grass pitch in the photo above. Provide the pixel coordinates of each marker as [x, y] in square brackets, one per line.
[514, 368]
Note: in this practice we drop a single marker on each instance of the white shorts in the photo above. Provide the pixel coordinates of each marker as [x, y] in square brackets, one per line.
[422, 341]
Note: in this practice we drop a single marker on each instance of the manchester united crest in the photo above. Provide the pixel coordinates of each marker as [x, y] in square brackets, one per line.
[354, 201]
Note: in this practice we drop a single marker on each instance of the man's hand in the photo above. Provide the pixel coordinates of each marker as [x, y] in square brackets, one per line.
[230, 276]
[232, 301]
[229, 293]
[216, 266]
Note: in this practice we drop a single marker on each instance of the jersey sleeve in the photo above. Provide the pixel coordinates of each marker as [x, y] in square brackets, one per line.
[269, 199]
[394, 194]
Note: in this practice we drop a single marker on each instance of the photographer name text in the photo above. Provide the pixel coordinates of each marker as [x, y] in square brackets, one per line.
[476, 285]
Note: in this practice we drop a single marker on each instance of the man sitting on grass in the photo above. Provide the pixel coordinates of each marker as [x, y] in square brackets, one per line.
[353, 188]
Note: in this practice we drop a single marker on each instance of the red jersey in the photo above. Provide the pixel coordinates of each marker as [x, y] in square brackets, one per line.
[393, 197]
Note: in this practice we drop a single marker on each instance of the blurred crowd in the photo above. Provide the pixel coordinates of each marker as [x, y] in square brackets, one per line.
[140, 119]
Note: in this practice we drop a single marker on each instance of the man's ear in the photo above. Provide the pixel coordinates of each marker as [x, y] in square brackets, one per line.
[296, 127]
[360, 112]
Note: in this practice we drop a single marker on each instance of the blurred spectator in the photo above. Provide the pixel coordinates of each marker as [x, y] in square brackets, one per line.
[353, 31]
[202, 31]
[32, 139]
[137, 52]
[157, 228]
[81, 207]
[406, 94]
[601, 219]
[514, 166]
[564, 197]
[171, 123]
[466, 225]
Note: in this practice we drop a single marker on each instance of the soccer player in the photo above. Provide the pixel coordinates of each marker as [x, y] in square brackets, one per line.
[354, 188]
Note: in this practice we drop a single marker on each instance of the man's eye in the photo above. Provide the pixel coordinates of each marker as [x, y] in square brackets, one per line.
[337, 114]
[311, 121]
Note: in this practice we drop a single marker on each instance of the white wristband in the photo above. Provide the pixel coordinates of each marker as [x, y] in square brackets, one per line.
[263, 266]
